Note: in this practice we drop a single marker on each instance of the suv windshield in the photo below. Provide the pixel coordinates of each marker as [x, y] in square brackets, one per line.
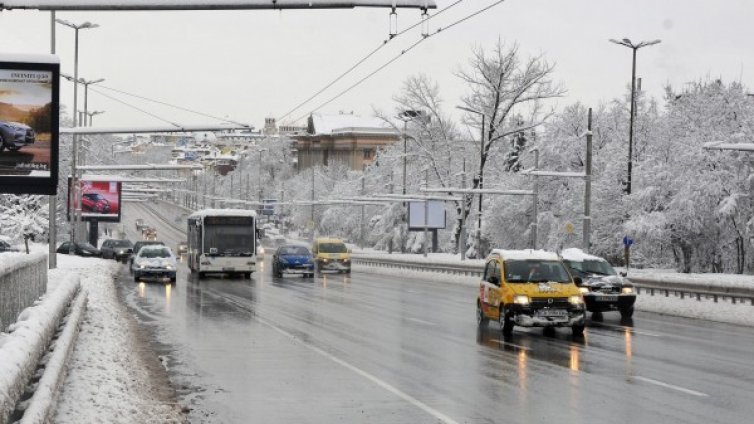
[592, 267]
[535, 271]
[332, 248]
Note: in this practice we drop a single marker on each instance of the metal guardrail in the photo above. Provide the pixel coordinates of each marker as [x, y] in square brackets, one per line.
[20, 285]
[650, 286]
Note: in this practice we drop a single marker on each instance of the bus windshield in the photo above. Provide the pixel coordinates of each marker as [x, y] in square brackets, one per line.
[229, 240]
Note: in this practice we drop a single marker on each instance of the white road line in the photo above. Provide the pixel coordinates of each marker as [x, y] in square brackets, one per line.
[502, 342]
[419, 321]
[408, 398]
[670, 386]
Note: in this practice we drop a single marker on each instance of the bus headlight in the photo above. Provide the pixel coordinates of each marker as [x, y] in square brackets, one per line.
[521, 299]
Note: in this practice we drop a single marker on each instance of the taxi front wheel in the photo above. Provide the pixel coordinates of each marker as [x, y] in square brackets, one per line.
[506, 322]
[481, 319]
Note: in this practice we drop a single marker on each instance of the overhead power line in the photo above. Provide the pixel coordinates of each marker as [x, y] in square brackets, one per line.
[134, 107]
[160, 102]
[364, 59]
[403, 52]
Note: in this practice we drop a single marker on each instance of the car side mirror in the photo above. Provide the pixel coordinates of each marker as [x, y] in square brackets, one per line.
[494, 280]
[579, 282]
[623, 274]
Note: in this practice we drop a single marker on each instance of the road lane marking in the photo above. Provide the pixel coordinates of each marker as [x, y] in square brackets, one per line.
[394, 390]
[670, 386]
[419, 321]
[623, 328]
[502, 342]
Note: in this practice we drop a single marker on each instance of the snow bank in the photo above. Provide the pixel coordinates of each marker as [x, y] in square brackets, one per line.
[724, 311]
[28, 338]
[109, 380]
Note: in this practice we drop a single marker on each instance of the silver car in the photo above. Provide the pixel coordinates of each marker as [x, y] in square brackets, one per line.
[15, 135]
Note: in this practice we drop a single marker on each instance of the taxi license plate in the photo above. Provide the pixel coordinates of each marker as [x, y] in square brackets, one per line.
[607, 298]
[552, 313]
[229, 269]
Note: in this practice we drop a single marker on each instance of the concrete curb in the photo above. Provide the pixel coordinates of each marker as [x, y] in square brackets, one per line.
[41, 405]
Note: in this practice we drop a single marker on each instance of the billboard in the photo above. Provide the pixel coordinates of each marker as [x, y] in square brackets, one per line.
[29, 109]
[436, 216]
[100, 200]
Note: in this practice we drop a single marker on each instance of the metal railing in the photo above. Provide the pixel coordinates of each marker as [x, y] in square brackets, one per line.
[20, 285]
[647, 285]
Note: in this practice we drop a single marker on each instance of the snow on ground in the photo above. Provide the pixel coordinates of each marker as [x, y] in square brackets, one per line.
[110, 378]
[723, 311]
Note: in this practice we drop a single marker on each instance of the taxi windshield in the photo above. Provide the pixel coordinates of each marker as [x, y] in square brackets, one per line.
[333, 248]
[535, 271]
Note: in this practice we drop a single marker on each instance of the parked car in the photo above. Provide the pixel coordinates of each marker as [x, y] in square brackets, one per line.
[331, 255]
[149, 233]
[603, 289]
[138, 245]
[81, 249]
[117, 249]
[529, 288]
[14, 135]
[6, 247]
[294, 259]
[94, 202]
[154, 263]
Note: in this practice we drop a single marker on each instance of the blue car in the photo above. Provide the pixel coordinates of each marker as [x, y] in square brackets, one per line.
[293, 259]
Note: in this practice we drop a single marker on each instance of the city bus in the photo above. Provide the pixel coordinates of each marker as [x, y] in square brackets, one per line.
[222, 241]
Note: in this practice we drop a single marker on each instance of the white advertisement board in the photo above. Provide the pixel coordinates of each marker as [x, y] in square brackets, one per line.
[436, 215]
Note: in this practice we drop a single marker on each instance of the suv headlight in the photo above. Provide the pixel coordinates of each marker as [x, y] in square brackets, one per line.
[576, 300]
[167, 265]
[521, 299]
[627, 290]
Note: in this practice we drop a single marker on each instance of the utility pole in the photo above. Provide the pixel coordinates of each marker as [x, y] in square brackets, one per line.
[462, 240]
[535, 203]
[361, 230]
[312, 217]
[52, 200]
[426, 214]
[587, 227]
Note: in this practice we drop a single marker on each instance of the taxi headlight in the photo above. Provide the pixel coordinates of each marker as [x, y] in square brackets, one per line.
[627, 290]
[576, 300]
[325, 260]
[584, 289]
[521, 299]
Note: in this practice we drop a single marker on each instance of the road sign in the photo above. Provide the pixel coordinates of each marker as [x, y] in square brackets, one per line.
[569, 228]
[627, 241]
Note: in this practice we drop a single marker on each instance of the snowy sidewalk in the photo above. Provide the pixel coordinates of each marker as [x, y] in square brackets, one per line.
[113, 377]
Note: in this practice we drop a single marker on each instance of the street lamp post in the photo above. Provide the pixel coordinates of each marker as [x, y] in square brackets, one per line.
[260, 174]
[92, 114]
[480, 177]
[634, 47]
[75, 216]
[406, 116]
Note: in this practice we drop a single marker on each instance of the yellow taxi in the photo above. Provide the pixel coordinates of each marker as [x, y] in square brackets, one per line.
[529, 288]
[331, 255]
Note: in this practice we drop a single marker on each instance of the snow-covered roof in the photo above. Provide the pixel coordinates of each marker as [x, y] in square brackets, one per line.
[526, 255]
[578, 255]
[222, 212]
[29, 58]
[339, 123]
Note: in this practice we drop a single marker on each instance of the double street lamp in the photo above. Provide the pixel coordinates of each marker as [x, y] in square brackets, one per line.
[634, 47]
[74, 181]
[86, 84]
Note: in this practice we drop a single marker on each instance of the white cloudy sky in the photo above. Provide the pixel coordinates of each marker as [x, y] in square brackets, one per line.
[251, 64]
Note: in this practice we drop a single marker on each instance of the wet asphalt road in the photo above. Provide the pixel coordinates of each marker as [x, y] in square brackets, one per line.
[375, 349]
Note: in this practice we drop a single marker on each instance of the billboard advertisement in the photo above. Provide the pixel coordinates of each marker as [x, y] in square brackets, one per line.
[100, 200]
[268, 206]
[29, 108]
[436, 215]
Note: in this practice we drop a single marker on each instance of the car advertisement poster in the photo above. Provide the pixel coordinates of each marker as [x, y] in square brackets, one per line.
[29, 107]
[100, 200]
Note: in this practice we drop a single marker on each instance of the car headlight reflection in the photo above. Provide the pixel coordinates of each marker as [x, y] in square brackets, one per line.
[521, 299]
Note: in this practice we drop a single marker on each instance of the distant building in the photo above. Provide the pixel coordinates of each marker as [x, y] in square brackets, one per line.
[345, 138]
